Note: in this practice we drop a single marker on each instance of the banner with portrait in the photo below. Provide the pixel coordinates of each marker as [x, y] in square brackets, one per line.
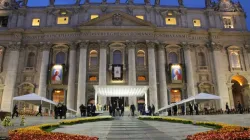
[57, 74]
[176, 73]
[117, 72]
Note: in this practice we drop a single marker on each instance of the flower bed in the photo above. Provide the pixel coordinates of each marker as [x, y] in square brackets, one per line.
[222, 131]
[38, 133]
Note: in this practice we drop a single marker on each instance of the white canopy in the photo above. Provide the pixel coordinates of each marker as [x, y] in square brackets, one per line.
[201, 97]
[121, 91]
[35, 100]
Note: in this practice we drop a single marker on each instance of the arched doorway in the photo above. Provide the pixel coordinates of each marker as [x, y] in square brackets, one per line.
[240, 91]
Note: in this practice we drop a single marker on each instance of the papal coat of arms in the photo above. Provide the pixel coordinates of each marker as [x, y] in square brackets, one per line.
[4, 4]
[117, 19]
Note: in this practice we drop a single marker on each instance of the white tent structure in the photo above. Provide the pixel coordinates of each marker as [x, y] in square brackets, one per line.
[201, 97]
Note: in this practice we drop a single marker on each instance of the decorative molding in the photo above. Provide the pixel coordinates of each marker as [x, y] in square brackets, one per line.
[216, 46]
[188, 46]
[103, 43]
[73, 45]
[14, 46]
[131, 44]
[45, 46]
[150, 44]
[162, 46]
[84, 44]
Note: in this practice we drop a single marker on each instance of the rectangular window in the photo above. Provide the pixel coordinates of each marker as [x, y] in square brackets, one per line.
[140, 17]
[197, 23]
[170, 21]
[228, 22]
[35, 22]
[62, 20]
[92, 78]
[3, 21]
[94, 16]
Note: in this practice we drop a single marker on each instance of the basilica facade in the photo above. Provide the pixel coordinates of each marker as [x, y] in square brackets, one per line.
[61, 51]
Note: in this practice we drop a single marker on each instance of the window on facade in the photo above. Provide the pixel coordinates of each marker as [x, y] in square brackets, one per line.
[141, 58]
[141, 78]
[175, 96]
[201, 59]
[170, 21]
[173, 58]
[228, 22]
[36, 22]
[117, 57]
[197, 23]
[31, 60]
[92, 78]
[60, 58]
[63, 20]
[93, 16]
[58, 96]
[140, 17]
[235, 60]
[4, 21]
[93, 58]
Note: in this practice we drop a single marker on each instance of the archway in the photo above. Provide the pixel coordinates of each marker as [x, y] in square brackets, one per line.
[240, 91]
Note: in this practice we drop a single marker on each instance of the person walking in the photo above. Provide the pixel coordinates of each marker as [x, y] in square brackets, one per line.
[64, 110]
[132, 109]
[122, 110]
[240, 107]
[81, 109]
[56, 112]
[93, 110]
[149, 110]
[40, 110]
[113, 109]
[15, 111]
[227, 108]
[196, 108]
[190, 108]
[110, 110]
[153, 109]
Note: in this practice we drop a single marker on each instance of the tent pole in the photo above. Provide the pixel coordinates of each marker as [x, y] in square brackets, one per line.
[185, 109]
[95, 98]
[50, 109]
[146, 102]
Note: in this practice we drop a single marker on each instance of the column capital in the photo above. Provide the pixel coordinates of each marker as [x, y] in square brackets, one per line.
[73, 45]
[216, 46]
[188, 46]
[162, 46]
[151, 44]
[229, 85]
[14, 46]
[131, 44]
[45, 46]
[84, 44]
[103, 43]
[247, 47]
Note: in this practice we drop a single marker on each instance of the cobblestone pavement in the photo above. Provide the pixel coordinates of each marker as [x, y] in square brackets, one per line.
[236, 119]
[129, 128]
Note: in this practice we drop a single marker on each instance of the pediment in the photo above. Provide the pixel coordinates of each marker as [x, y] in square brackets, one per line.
[117, 18]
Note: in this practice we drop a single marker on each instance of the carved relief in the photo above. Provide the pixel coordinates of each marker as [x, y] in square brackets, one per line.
[14, 46]
[150, 44]
[117, 19]
[84, 44]
[216, 46]
[131, 44]
[188, 46]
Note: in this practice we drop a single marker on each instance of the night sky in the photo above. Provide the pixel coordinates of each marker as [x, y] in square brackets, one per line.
[187, 3]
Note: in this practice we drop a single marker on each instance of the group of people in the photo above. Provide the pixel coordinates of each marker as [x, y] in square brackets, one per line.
[239, 108]
[191, 108]
[60, 110]
[116, 110]
[15, 111]
[90, 110]
[150, 110]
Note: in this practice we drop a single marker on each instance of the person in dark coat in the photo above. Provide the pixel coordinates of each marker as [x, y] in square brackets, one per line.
[240, 107]
[122, 110]
[113, 109]
[81, 109]
[89, 110]
[190, 108]
[64, 110]
[169, 112]
[84, 110]
[132, 109]
[149, 110]
[110, 110]
[93, 110]
[196, 108]
[15, 108]
[40, 110]
[183, 110]
[60, 110]
[227, 108]
[153, 109]
[56, 112]
[175, 108]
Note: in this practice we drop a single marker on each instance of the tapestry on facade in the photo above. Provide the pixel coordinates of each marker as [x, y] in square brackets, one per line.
[176, 73]
[57, 74]
[117, 73]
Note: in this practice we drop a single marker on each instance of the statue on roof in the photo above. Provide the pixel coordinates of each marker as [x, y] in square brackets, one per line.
[157, 2]
[51, 2]
[147, 2]
[77, 2]
[117, 1]
[238, 7]
[208, 3]
[86, 1]
[104, 1]
[130, 1]
[180, 2]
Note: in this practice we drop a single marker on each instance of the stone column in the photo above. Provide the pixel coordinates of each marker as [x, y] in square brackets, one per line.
[162, 75]
[72, 77]
[230, 93]
[42, 89]
[189, 68]
[82, 78]
[11, 75]
[131, 69]
[221, 81]
[103, 68]
[153, 99]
